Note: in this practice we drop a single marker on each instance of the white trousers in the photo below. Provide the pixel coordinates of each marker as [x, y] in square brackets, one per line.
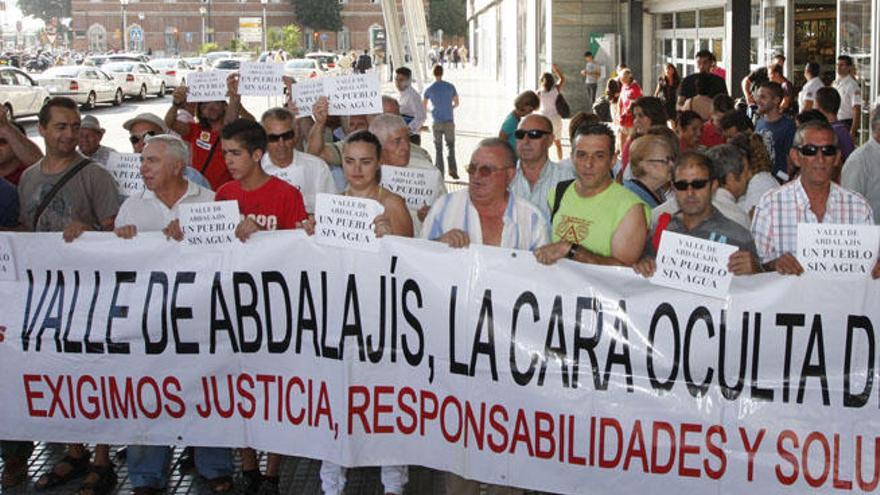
[394, 478]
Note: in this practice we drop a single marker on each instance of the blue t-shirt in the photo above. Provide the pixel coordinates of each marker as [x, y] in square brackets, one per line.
[782, 132]
[509, 127]
[441, 93]
[8, 204]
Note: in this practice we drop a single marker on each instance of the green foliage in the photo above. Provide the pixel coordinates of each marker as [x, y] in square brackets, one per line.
[236, 45]
[287, 38]
[448, 15]
[208, 47]
[319, 15]
[45, 9]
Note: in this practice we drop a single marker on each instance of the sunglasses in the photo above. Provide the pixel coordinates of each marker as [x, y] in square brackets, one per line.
[286, 136]
[812, 149]
[134, 139]
[482, 170]
[683, 185]
[532, 133]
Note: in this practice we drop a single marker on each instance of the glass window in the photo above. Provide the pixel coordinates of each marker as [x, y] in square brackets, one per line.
[753, 51]
[774, 30]
[679, 48]
[666, 21]
[718, 49]
[756, 12]
[686, 20]
[712, 18]
[667, 48]
[689, 50]
[704, 44]
[855, 34]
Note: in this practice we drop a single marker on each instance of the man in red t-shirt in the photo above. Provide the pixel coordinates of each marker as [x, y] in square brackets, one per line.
[204, 135]
[265, 202]
[17, 151]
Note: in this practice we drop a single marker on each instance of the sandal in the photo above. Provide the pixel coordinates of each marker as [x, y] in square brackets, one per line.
[79, 466]
[100, 481]
[221, 484]
[15, 471]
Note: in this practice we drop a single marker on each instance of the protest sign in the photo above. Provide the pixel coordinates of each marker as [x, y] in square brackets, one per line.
[206, 86]
[306, 93]
[357, 94]
[418, 186]
[7, 260]
[209, 224]
[692, 264]
[261, 79]
[845, 251]
[476, 361]
[345, 221]
[126, 169]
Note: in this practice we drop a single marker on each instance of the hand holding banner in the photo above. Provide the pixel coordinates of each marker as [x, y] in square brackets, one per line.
[345, 221]
[845, 251]
[693, 265]
[416, 185]
[206, 86]
[209, 224]
[306, 93]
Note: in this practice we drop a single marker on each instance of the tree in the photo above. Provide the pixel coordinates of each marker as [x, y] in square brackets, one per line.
[208, 47]
[448, 15]
[45, 9]
[320, 15]
[286, 38]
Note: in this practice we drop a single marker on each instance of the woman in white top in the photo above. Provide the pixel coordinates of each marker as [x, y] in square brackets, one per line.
[549, 87]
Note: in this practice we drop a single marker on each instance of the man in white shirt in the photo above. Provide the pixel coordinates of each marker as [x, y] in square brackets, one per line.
[861, 173]
[850, 113]
[306, 172]
[411, 108]
[536, 175]
[807, 96]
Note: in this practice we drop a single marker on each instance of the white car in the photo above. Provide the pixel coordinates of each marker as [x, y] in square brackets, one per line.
[137, 78]
[174, 70]
[19, 94]
[86, 85]
[327, 60]
[303, 68]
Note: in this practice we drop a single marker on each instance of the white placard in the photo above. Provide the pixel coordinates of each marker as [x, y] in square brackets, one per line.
[126, 169]
[846, 251]
[7, 261]
[344, 221]
[209, 224]
[206, 86]
[261, 79]
[357, 94]
[693, 265]
[306, 93]
[418, 186]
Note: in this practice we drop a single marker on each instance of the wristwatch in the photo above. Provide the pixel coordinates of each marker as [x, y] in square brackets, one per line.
[572, 251]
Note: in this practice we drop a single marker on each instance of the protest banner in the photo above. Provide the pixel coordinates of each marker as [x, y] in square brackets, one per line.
[209, 224]
[306, 93]
[126, 169]
[691, 264]
[417, 186]
[346, 221]
[567, 379]
[206, 86]
[7, 260]
[356, 94]
[261, 79]
[845, 251]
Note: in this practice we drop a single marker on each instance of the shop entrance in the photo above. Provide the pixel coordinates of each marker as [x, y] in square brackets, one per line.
[815, 38]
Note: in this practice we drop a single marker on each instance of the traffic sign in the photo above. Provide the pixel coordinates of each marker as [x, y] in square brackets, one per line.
[135, 34]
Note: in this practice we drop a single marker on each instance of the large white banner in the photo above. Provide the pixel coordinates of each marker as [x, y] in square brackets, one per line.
[568, 379]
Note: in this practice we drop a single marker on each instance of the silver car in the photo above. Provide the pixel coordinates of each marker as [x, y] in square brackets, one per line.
[303, 68]
[86, 85]
[137, 78]
[174, 70]
[19, 94]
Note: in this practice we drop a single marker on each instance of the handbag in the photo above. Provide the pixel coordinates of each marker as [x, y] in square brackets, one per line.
[562, 107]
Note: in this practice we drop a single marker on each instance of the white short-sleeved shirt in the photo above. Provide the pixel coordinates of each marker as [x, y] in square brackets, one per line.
[308, 173]
[808, 92]
[850, 96]
[149, 214]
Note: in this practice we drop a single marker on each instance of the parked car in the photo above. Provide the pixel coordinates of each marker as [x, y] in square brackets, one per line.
[303, 68]
[174, 70]
[99, 60]
[19, 94]
[326, 59]
[227, 64]
[137, 78]
[198, 63]
[85, 84]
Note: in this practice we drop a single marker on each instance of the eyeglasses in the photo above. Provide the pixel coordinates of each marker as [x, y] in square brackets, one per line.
[683, 185]
[135, 139]
[531, 133]
[483, 170]
[812, 149]
[286, 136]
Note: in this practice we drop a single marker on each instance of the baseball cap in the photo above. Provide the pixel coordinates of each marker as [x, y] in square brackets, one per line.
[146, 117]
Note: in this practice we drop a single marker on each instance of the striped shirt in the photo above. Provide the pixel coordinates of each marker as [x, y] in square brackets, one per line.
[778, 213]
[524, 225]
[551, 174]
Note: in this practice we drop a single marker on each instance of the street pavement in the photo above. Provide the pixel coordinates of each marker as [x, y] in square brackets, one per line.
[479, 115]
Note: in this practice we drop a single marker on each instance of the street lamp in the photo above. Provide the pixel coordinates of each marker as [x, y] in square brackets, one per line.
[202, 12]
[265, 28]
[124, 4]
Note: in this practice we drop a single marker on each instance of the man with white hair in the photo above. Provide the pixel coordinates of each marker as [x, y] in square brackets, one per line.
[90, 135]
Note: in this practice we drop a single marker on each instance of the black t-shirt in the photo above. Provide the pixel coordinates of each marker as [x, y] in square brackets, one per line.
[715, 86]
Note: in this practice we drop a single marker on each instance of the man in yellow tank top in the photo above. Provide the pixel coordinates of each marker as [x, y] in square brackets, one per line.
[596, 220]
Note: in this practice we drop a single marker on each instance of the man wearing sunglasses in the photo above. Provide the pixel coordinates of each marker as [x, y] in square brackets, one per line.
[695, 183]
[145, 125]
[306, 172]
[536, 175]
[812, 198]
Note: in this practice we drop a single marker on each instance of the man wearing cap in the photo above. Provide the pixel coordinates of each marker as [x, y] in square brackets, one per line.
[90, 135]
[144, 125]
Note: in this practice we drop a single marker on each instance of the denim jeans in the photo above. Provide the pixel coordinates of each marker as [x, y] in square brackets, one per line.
[444, 130]
[148, 464]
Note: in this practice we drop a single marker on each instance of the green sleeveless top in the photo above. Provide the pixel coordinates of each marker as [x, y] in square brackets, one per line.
[591, 222]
